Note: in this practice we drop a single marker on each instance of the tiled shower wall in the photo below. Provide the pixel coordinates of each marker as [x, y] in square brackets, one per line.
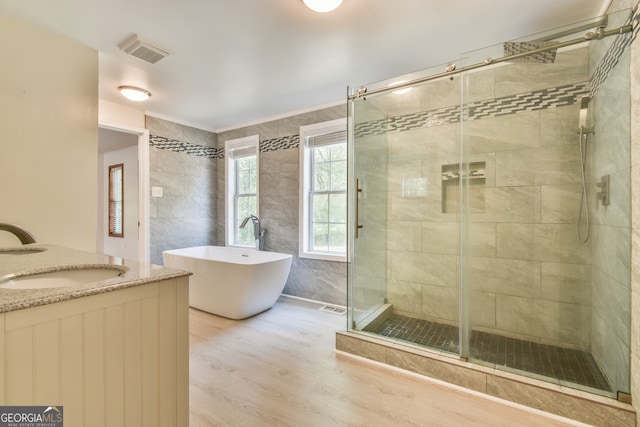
[530, 274]
[182, 162]
[279, 203]
[609, 154]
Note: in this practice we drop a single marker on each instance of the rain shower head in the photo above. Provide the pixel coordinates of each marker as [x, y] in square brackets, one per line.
[545, 52]
[547, 56]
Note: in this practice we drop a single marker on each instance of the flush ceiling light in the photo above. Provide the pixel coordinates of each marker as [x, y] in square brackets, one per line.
[322, 5]
[134, 93]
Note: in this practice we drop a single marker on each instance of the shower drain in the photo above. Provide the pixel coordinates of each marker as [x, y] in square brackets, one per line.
[333, 309]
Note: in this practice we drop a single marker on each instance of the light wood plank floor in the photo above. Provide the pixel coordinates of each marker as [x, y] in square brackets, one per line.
[280, 369]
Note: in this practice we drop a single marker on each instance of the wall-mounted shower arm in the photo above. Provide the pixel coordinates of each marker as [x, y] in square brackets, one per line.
[601, 34]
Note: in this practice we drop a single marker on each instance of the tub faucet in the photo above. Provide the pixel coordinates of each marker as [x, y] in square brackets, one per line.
[258, 232]
[20, 232]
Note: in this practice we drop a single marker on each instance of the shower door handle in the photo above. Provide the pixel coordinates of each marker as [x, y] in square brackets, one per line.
[357, 203]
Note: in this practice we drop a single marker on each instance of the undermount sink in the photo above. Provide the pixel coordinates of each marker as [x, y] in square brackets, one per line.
[20, 251]
[60, 279]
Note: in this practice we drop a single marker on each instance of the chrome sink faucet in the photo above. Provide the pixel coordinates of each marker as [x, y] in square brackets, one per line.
[258, 232]
[20, 232]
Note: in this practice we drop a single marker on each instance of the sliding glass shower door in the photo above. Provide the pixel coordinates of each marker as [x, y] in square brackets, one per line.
[406, 162]
[471, 195]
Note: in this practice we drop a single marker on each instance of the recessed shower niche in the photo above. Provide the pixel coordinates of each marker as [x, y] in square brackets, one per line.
[476, 184]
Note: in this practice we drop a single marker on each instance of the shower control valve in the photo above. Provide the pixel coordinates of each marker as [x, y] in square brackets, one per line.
[603, 196]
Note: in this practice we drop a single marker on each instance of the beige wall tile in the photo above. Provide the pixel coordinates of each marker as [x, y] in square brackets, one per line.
[479, 85]
[440, 303]
[439, 93]
[437, 369]
[483, 309]
[561, 203]
[441, 237]
[559, 126]
[542, 242]
[610, 246]
[405, 296]
[400, 171]
[361, 348]
[424, 143]
[569, 283]
[547, 165]
[546, 319]
[510, 204]
[404, 236]
[483, 239]
[506, 276]
[428, 269]
[558, 403]
[512, 132]
[611, 300]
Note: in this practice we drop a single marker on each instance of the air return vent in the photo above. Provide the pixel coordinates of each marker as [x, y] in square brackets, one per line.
[142, 49]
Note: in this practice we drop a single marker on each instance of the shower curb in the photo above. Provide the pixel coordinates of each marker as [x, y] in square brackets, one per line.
[553, 398]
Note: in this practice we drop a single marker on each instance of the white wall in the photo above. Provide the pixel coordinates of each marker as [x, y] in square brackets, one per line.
[48, 135]
[126, 247]
[117, 114]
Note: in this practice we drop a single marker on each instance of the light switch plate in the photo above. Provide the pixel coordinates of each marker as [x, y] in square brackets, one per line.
[156, 191]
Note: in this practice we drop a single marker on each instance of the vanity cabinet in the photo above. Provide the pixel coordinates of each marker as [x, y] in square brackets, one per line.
[117, 358]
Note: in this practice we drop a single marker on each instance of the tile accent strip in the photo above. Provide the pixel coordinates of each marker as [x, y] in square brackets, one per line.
[162, 143]
[184, 147]
[536, 100]
[282, 143]
[616, 50]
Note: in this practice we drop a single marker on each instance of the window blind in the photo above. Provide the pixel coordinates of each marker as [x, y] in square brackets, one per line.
[327, 139]
[116, 200]
[240, 152]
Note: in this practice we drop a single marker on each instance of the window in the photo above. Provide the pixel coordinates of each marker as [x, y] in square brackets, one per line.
[242, 189]
[323, 204]
[116, 197]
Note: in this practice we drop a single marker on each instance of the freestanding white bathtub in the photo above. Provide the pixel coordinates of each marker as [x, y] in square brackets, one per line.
[231, 282]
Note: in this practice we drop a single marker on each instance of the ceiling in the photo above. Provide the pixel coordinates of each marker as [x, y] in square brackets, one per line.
[238, 62]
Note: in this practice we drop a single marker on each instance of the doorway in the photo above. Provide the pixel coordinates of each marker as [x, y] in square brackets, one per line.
[129, 146]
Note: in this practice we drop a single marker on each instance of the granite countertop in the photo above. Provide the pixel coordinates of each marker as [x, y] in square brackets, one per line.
[24, 260]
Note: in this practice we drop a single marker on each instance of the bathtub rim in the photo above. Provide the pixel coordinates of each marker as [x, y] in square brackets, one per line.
[262, 257]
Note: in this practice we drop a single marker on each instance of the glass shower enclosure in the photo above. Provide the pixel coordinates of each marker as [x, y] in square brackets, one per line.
[473, 186]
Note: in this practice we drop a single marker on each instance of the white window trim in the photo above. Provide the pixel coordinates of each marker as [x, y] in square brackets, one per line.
[305, 185]
[230, 177]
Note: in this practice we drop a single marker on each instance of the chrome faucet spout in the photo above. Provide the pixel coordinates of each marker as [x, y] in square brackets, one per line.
[256, 224]
[258, 233]
[244, 221]
[20, 232]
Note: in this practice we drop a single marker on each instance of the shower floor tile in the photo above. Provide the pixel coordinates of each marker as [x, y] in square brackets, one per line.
[563, 364]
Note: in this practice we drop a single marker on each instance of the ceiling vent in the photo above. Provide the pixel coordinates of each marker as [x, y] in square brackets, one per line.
[142, 49]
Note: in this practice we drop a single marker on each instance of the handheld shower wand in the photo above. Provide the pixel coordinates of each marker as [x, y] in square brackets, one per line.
[584, 113]
[583, 131]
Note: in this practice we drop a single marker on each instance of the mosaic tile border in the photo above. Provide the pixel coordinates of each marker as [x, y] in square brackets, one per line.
[282, 143]
[274, 144]
[616, 50]
[176, 146]
[558, 96]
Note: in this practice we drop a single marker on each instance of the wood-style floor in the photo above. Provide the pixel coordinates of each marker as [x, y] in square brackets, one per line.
[280, 369]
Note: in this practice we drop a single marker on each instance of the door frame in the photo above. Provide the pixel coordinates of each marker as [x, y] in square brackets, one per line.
[143, 184]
